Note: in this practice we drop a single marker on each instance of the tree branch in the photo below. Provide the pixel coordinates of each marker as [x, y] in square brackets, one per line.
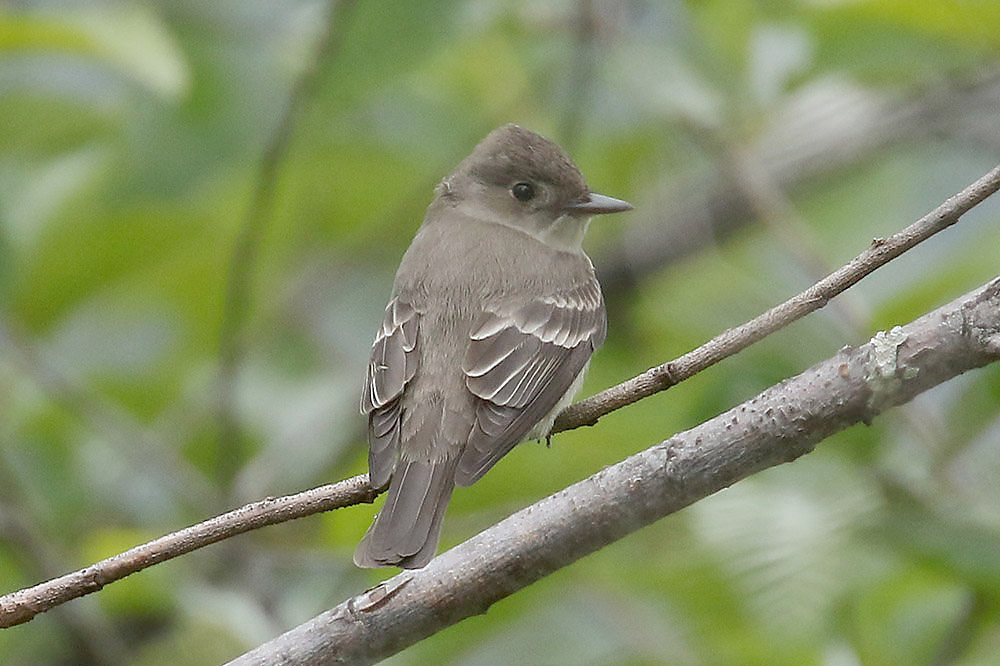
[21, 606]
[779, 425]
[879, 253]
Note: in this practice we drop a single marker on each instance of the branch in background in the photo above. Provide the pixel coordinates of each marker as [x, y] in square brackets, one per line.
[21, 606]
[819, 137]
[239, 287]
[579, 79]
[779, 425]
[143, 446]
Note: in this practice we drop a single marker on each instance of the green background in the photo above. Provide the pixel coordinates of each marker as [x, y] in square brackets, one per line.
[132, 137]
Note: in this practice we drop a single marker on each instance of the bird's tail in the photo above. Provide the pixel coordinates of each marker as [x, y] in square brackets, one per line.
[407, 529]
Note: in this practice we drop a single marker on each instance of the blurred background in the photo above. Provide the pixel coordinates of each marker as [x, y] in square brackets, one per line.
[202, 206]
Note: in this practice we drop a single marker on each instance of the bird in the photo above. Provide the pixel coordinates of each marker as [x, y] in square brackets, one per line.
[494, 314]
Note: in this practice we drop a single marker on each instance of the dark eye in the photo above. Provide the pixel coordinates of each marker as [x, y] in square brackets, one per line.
[523, 191]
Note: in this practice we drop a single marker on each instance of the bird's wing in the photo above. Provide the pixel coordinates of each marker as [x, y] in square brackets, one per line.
[393, 363]
[521, 360]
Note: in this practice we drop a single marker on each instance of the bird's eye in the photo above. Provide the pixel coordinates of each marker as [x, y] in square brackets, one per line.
[523, 191]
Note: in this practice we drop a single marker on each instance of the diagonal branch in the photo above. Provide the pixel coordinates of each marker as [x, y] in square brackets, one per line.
[779, 425]
[727, 343]
[21, 606]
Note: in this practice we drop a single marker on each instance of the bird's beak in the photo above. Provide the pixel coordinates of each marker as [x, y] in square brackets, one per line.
[596, 204]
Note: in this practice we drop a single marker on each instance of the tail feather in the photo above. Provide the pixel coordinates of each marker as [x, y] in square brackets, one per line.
[407, 529]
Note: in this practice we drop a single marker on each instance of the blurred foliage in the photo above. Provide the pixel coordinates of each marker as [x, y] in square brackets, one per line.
[131, 140]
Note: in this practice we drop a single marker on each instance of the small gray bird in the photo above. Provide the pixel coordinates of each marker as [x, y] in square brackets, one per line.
[494, 315]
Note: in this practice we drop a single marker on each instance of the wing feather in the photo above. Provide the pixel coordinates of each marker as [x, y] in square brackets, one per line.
[521, 361]
[487, 353]
[393, 364]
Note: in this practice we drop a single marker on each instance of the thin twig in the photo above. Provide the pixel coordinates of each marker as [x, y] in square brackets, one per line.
[21, 606]
[880, 252]
[769, 203]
